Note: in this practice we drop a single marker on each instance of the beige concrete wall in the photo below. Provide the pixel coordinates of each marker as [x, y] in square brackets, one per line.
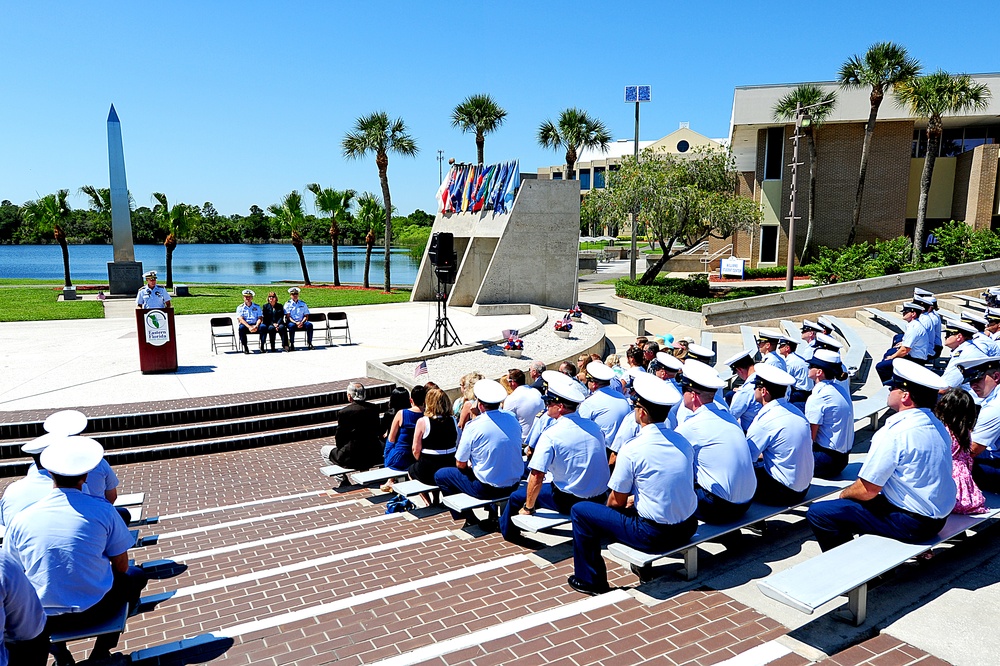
[942, 187]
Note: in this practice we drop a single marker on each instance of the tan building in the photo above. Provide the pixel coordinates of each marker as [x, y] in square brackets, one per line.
[964, 187]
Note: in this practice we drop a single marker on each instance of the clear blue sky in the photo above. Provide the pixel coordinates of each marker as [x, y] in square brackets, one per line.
[238, 103]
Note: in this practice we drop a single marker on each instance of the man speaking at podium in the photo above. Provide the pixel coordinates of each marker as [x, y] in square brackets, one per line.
[152, 296]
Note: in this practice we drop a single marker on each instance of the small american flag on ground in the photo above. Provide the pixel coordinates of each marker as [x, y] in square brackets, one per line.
[421, 369]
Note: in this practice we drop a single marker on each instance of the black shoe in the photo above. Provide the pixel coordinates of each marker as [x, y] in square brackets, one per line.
[272, 346]
[310, 346]
[246, 350]
[577, 585]
[291, 348]
[286, 347]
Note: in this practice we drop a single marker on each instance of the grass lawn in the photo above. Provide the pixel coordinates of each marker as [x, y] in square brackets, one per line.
[39, 304]
[210, 299]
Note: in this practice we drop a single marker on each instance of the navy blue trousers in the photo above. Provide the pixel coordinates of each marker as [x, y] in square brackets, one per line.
[596, 523]
[307, 327]
[986, 473]
[828, 463]
[550, 497]
[717, 511]
[244, 332]
[452, 480]
[772, 492]
[837, 521]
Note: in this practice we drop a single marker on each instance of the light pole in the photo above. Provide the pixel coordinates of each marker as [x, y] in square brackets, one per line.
[440, 166]
[635, 94]
[802, 120]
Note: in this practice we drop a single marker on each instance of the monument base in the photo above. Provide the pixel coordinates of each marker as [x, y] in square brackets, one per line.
[124, 277]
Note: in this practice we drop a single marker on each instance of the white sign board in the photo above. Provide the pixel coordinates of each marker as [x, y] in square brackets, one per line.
[157, 330]
[731, 266]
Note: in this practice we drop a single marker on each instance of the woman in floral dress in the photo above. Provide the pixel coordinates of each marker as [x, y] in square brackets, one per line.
[957, 411]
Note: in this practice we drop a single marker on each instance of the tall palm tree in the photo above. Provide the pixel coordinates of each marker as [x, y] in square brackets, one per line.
[883, 66]
[50, 213]
[371, 213]
[178, 222]
[336, 204]
[290, 216]
[480, 114]
[376, 133]
[574, 130]
[99, 201]
[931, 97]
[785, 109]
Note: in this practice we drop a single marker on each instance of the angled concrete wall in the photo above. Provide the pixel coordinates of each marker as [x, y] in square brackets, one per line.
[528, 255]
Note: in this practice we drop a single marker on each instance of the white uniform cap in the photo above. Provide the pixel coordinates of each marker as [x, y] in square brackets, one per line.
[73, 456]
[770, 334]
[293, 290]
[994, 291]
[959, 326]
[654, 390]
[38, 444]
[924, 300]
[905, 371]
[824, 339]
[976, 366]
[702, 375]
[599, 371]
[826, 359]
[735, 358]
[700, 353]
[249, 292]
[670, 361]
[910, 305]
[774, 375]
[917, 291]
[992, 314]
[564, 388]
[812, 326]
[66, 422]
[973, 317]
[148, 274]
[490, 391]
[826, 323]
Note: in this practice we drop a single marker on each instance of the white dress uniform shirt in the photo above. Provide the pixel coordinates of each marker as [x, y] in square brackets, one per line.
[573, 451]
[296, 310]
[21, 494]
[774, 358]
[152, 299]
[607, 408]
[743, 406]
[524, 403]
[798, 367]
[657, 467]
[781, 433]
[722, 462]
[491, 444]
[830, 408]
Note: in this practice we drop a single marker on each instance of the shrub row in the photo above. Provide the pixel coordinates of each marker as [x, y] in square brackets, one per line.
[681, 294]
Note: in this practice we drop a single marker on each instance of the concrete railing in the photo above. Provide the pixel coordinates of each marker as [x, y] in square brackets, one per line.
[855, 294]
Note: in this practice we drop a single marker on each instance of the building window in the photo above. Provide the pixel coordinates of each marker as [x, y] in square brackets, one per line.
[956, 140]
[683, 146]
[598, 177]
[774, 153]
[584, 177]
[556, 175]
[769, 244]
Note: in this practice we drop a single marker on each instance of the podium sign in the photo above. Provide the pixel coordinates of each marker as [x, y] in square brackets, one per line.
[731, 266]
[157, 340]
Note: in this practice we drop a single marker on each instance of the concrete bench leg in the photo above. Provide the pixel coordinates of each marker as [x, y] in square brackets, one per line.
[691, 563]
[857, 605]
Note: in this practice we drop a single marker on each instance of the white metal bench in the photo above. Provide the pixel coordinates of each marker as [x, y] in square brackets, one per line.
[377, 475]
[130, 499]
[791, 330]
[709, 343]
[417, 487]
[541, 520]
[970, 300]
[870, 408]
[847, 569]
[461, 502]
[893, 320]
[642, 563]
[749, 340]
[78, 632]
[856, 347]
[337, 470]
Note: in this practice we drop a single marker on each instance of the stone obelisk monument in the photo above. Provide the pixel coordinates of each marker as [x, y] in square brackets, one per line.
[124, 273]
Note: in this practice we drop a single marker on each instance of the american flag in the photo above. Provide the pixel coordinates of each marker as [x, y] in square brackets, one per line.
[421, 369]
[509, 333]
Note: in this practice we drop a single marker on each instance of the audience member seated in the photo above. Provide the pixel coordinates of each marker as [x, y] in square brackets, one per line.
[435, 439]
[358, 441]
[983, 375]
[915, 345]
[830, 415]
[797, 366]
[274, 320]
[742, 403]
[523, 402]
[905, 489]
[399, 446]
[22, 616]
[488, 461]
[250, 318]
[535, 371]
[604, 406]
[297, 317]
[957, 411]
[74, 549]
[470, 407]
[21, 494]
[768, 341]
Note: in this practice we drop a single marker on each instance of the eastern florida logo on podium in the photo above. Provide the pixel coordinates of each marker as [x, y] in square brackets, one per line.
[157, 331]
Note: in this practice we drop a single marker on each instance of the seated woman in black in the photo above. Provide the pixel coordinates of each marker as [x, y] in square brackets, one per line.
[274, 320]
[435, 438]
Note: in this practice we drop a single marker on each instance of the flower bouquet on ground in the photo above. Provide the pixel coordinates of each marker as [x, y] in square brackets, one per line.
[575, 312]
[563, 327]
[513, 346]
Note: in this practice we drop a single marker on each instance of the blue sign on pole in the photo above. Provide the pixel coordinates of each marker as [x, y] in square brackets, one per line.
[635, 94]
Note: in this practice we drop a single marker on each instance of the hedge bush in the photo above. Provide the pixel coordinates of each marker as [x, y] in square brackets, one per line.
[682, 294]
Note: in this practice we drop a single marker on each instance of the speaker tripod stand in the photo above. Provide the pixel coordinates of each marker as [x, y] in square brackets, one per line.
[444, 334]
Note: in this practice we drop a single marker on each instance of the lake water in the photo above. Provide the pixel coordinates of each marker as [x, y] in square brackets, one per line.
[227, 264]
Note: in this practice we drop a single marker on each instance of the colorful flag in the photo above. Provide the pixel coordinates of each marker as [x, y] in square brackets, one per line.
[421, 369]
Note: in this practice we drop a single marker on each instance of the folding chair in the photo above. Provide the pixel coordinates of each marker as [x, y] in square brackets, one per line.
[318, 320]
[344, 327]
[222, 328]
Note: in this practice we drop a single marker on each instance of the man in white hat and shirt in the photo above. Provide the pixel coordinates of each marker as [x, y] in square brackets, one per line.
[572, 450]
[982, 374]
[992, 323]
[657, 468]
[699, 353]
[809, 331]
[298, 318]
[666, 368]
[679, 413]
[74, 548]
[958, 339]
[780, 437]
[930, 319]
[723, 468]
[797, 366]
[36, 484]
[152, 296]
[22, 619]
[768, 340]
[915, 344]
[986, 344]
[905, 490]
[524, 402]
[830, 414]
[251, 320]
[488, 460]
[605, 406]
[742, 405]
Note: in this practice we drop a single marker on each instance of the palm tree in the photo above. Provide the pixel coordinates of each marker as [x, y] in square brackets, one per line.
[480, 114]
[371, 213]
[336, 204]
[375, 133]
[50, 213]
[785, 109]
[290, 215]
[574, 130]
[932, 97]
[178, 222]
[883, 66]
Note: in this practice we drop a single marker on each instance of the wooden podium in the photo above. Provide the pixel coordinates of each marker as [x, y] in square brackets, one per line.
[157, 340]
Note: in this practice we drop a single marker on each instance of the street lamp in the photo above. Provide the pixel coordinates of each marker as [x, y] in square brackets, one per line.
[635, 94]
[440, 166]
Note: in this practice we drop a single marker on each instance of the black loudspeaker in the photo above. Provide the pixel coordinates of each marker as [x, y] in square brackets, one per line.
[442, 250]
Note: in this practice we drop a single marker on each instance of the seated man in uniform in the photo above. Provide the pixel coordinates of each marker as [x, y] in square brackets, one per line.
[905, 490]
[22, 618]
[782, 440]
[605, 406]
[768, 341]
[797, 366]
[742, 404]
[74, 548]
[358, 440]
[36, 484]
[723, 468]
[914, 345]
[572, 451]
[251, 320]
[958, 339]
[298, 319]
[982, 374]
[657, 468]
[152, 296]
[488, 460]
